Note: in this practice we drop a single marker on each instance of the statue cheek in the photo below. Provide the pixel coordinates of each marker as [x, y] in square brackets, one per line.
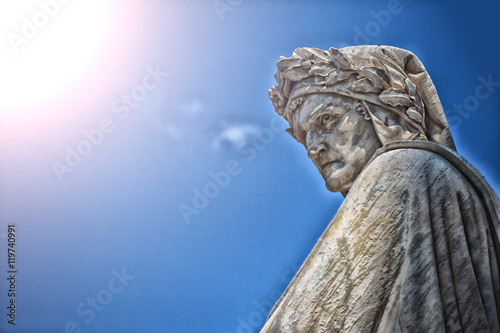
[340, 138]
[356, 137]
[362, 138]
[352, 132]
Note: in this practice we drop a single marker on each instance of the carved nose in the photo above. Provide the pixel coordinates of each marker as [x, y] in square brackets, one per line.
[314, 152]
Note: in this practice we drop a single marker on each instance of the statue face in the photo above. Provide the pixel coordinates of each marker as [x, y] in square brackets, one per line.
[339, 140]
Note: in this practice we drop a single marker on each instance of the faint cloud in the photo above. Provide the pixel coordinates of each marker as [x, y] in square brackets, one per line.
[192, 123]
[233, 137]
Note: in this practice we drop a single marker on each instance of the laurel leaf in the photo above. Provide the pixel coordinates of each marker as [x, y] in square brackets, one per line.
[339, 59]
[312, 53]
[394, 97]
[331, 78]
[337, 76]
[382, 70]
[413, 114]
[276, 91]
[414, 95]
[296, 73]
[287, 63]
[321, 69]
[287, 85]
[366, 86]
[376, 75]
[318, 80]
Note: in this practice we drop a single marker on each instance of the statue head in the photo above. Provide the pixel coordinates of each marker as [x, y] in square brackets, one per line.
[344, 104]
[338, 136]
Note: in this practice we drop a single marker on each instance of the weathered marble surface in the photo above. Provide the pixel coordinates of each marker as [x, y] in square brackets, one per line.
[410, 250]
[414, 247]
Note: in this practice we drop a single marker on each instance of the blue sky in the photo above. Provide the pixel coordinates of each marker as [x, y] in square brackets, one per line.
[118, 212]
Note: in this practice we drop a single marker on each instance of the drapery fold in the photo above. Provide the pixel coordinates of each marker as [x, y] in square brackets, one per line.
[413, 248]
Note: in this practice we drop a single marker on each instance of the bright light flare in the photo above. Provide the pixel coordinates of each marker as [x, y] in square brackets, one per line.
[46, 48]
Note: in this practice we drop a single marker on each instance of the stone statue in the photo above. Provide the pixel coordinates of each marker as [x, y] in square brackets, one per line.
[415, 245]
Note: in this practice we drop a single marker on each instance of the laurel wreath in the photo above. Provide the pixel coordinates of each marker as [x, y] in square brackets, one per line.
[332, 67]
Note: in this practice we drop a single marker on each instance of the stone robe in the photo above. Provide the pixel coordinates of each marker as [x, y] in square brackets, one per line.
[413, 248]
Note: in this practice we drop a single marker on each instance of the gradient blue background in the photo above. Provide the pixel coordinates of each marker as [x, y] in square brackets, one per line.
[120, 207]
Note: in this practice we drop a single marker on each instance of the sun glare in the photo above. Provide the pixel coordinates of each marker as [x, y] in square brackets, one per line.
[46, 46]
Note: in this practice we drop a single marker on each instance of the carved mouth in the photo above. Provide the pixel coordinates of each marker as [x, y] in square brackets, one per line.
[327, 164]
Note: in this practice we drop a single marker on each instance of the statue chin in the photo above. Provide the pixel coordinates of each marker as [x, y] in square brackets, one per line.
[335, 189]
[342, 178]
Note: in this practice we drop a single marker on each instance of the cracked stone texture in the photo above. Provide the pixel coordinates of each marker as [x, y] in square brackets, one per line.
[412, 250]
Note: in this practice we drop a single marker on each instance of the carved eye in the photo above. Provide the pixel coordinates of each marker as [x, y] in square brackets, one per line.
[327, 120]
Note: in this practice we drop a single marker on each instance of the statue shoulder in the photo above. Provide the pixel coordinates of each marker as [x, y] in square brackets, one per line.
[414, 166]
[405, 160]
[425, 163]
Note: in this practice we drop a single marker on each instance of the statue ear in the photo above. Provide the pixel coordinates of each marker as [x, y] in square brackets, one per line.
[361, 108]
